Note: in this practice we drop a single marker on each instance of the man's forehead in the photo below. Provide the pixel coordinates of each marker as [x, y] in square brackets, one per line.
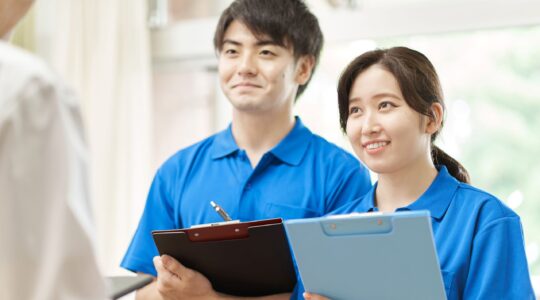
[240, 28]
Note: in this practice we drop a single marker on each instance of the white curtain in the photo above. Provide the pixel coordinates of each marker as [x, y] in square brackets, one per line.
[101, 48]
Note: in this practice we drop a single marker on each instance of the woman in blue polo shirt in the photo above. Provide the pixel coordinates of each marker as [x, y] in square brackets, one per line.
[391, 108]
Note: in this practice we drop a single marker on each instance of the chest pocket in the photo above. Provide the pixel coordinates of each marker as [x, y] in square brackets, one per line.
[448, 280]
[286, 212]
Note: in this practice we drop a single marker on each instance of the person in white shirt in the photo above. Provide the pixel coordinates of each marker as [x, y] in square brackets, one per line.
[46, 246]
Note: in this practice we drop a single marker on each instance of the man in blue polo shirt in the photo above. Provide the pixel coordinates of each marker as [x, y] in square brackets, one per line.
[266, 164]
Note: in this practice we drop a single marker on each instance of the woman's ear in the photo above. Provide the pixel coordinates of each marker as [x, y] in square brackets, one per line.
[435, 121]
[304, 66]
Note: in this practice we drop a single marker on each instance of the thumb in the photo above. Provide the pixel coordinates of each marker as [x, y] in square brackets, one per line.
[173, 266]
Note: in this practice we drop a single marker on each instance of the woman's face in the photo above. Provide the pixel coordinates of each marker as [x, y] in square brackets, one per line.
[385, 132]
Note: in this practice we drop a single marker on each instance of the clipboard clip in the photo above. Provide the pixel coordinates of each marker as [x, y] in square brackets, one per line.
[359, 225]
[219, 231]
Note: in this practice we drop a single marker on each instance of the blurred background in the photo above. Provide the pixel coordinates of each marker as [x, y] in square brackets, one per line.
[146, 75]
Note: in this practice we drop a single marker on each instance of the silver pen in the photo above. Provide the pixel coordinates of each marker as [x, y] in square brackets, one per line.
[220, 211]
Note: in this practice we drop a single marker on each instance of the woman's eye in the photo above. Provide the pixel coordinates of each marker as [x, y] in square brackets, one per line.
[386, 105]
[354, 110]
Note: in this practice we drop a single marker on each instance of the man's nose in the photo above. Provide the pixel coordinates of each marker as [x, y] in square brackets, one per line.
[247, 65]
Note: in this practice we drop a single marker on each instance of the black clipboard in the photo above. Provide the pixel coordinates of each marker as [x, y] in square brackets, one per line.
[241, 259]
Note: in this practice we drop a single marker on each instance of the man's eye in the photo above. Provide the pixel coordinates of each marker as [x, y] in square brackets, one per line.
[230, 51]
[267, 52]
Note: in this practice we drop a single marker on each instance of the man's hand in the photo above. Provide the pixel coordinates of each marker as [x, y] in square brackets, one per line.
[309, 296]
[175, 282]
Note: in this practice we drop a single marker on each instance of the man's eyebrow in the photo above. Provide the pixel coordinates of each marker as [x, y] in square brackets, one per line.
[231, 42]
[267, 43]
[258, 44]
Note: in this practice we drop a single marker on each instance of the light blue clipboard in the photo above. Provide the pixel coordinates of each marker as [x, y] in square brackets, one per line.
[368, 256]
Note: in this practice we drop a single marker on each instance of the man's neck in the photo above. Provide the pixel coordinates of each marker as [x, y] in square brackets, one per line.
[405, 186]
[257, 134]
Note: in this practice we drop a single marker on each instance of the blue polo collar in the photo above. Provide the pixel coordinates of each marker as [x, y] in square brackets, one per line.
[290, 150]
[436, 198]
[224, 144]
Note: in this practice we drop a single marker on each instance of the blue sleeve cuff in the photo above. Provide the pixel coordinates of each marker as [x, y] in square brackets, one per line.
[139, 266]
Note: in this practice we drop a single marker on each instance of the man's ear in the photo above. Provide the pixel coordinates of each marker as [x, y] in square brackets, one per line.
[304, 66]
[435, 121]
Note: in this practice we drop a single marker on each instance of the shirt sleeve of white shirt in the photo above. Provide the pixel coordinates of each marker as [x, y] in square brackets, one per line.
[46, 243]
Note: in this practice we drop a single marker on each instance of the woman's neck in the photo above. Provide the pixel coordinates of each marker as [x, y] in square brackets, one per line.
[403, 187]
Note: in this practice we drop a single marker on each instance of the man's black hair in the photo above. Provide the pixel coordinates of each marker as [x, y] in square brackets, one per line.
[288, 23]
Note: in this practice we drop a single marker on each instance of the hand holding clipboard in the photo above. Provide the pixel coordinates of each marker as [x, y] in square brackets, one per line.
[241, 258]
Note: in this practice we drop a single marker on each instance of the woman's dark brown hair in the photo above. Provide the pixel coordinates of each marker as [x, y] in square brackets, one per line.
[419, 84]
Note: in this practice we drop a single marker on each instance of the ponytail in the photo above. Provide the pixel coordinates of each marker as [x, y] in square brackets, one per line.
[454, 167]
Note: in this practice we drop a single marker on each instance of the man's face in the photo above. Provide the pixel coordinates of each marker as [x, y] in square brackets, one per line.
[257, 75]
[11, 11]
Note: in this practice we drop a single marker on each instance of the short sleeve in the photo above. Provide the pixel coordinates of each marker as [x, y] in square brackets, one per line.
[348, 182]
[157, 215]
[498, 267]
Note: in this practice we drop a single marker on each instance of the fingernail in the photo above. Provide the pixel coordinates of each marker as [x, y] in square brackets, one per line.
[165, 260]
[307, 296]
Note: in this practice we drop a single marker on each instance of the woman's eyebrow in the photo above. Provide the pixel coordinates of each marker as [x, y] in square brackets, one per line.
[375, 97]
[386, 94]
